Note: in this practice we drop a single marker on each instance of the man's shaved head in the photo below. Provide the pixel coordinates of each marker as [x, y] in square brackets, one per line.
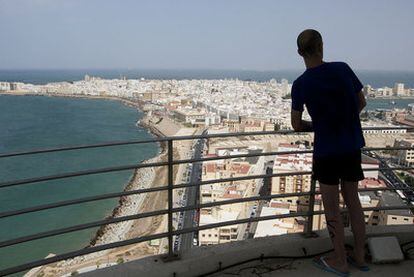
[309, 43]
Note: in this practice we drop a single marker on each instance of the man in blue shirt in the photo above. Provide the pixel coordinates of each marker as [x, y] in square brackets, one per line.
[333, 98]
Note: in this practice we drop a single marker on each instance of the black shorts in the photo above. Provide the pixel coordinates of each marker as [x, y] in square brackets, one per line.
[330, 170]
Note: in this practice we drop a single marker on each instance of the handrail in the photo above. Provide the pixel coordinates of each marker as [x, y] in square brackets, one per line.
[164, 188]
[161, 212]
[175, 162]
[89, 250]
[176, 138]
[80, 173]
[170, 187]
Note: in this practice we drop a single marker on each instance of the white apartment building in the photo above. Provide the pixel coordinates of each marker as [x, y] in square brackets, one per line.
[274, 227]
[191, 116]
[385, 92]
[388, 128]
[4, 86]
[221, 234]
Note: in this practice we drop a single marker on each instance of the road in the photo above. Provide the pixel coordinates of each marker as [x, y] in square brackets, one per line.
[192, 197]
[263, 189]
[393, 180]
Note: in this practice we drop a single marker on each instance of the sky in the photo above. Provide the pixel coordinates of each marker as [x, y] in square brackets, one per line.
[194, 34]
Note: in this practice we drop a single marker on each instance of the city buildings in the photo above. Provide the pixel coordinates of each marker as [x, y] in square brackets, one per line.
[233, 105]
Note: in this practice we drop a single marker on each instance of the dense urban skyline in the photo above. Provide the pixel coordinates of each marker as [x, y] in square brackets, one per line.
[44, 34]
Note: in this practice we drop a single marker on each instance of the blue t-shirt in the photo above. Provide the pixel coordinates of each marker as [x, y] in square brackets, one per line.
[330, 93]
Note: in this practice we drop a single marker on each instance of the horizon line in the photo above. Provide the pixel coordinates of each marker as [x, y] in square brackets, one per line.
[187, 69]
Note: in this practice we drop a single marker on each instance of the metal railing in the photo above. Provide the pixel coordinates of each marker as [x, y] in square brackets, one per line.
[168, 141]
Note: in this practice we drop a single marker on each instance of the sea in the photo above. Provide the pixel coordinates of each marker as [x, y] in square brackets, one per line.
[34, 122]
[375, 78]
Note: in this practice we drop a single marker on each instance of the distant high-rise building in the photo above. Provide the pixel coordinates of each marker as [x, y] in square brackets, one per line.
[4, 86]
[367, 90]
[399, 89]
[386, 92]
[273, 82]
[285, 87]
[14, 86]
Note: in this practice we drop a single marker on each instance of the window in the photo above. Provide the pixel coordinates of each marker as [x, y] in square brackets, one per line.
[394, 218]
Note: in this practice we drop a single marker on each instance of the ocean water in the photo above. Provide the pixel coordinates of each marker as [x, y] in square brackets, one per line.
[376, 103]
[30, 122]
[375, 78]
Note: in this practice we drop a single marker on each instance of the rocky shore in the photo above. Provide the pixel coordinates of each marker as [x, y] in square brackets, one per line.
[127, 205]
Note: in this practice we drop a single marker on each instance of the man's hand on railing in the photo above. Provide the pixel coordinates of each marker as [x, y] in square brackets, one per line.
[298, 124]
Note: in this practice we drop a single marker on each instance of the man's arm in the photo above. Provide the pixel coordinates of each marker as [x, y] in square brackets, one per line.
[298, 124]
[361, 101]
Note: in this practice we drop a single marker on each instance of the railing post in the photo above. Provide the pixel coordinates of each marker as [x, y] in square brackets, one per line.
[171, 255]
[311, 209]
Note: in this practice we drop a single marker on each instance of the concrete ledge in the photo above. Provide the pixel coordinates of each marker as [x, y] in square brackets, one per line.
[202, 260]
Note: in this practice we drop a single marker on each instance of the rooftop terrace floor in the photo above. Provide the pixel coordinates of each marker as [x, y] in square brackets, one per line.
[305, 267]
[242, 258]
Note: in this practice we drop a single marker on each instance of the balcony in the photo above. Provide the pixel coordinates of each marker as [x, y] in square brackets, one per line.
[213, 260]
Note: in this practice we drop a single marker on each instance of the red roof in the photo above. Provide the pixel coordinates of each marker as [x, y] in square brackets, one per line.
[210, 167]
[288, 145]
[372, 183]
[282, 205]
[240, 168]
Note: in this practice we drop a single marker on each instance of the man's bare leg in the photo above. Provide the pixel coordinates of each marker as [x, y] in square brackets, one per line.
[356, 215]
[330, 198]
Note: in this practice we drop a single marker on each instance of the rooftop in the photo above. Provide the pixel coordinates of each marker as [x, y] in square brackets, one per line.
[392, 199]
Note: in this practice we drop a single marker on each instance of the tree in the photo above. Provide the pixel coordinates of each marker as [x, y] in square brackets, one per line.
[120, 260]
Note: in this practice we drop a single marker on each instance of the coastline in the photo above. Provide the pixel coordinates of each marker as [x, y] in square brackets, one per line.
[127, 205]
[126, 102]
[390, 97]
[133, 184]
